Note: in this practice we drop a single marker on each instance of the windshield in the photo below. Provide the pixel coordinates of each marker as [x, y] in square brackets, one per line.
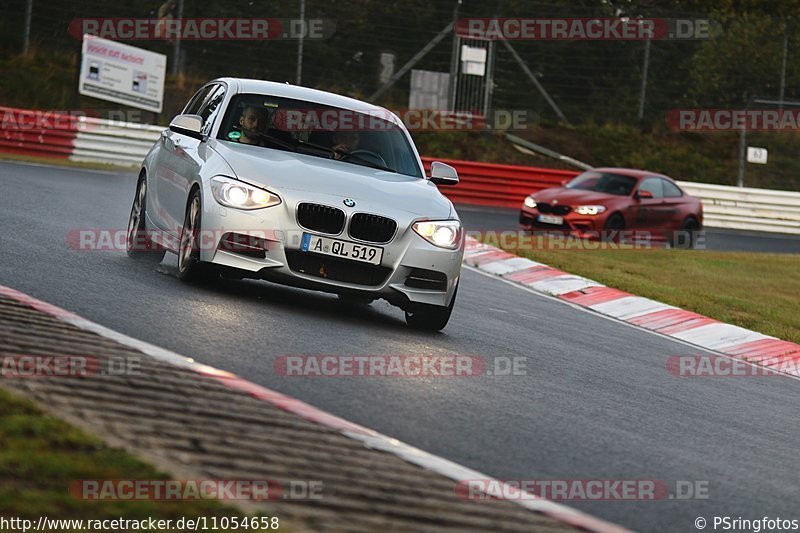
[350, 137]
[604, 182]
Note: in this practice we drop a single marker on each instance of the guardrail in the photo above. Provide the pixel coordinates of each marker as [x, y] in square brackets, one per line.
[74, 137]
[745, 208]
[80, 138]
[498, 185]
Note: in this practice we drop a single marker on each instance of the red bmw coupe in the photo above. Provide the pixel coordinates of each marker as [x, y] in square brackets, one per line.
[607, 202]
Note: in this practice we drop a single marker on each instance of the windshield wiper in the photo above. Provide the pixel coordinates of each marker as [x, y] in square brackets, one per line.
[279, 142]
[307, 144]
[369, 163]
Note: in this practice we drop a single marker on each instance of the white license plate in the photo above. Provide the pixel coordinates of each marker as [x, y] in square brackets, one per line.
[344, 249]
[550, 219]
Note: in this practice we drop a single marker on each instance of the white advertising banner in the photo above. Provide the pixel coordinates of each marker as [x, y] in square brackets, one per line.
[122, 73]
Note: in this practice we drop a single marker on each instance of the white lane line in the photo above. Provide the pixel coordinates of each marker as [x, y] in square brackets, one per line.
[563, 284]
[594, 313]
[719, 336]
[630, 307]
[507, 266]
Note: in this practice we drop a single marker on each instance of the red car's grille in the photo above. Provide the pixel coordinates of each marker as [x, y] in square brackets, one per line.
[549, 209]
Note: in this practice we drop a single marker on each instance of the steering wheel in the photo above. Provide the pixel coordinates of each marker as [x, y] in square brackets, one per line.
[368, 155]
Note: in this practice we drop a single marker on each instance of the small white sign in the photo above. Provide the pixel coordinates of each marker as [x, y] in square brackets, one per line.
[756, 155]
[473, 60]
[122, 73]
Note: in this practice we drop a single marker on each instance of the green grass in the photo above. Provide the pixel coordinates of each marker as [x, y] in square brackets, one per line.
[40, 456]
[755, 291]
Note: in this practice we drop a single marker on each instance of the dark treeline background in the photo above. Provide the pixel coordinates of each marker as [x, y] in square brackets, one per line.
[590, 81]
[597, 84]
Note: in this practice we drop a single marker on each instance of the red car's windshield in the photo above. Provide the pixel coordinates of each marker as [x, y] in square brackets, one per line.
[604, 182]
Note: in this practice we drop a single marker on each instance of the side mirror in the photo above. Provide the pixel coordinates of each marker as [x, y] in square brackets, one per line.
[644, 194]
[442, 174]
[189, 125]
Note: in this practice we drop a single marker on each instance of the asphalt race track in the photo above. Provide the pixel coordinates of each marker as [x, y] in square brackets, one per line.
[597, 401]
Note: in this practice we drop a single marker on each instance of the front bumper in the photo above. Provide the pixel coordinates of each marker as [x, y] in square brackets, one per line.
[573, 223]
[407, 260]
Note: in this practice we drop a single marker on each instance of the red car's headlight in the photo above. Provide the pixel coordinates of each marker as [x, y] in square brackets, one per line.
[590, 209]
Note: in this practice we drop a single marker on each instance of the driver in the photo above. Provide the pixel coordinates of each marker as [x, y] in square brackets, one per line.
[253, 122]
[345, 141]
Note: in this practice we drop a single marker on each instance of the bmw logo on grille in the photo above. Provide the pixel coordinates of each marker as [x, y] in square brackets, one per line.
[349, 202]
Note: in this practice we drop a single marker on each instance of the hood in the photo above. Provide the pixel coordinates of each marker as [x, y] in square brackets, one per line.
[573, 197]
[280, 170]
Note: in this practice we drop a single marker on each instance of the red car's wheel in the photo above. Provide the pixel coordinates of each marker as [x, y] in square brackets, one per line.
[613, 228]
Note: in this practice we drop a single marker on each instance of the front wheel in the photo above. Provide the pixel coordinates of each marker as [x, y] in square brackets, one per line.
[138, 244]
[430, 317]
[613, 228]
[190, 268]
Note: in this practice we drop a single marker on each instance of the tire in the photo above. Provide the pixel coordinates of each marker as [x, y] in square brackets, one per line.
[615, 223]
[190, 268]
[430, 317]
[686, 238]
[137, 243]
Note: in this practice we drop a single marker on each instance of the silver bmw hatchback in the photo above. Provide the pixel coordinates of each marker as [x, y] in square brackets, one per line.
[305, 188]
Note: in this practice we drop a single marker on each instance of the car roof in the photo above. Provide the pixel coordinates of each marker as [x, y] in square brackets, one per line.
[632, 172]
[287, 90]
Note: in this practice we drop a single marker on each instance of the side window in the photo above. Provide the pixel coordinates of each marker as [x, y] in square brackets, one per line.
[671, 190]
[197, 100]
[211, 107]
[654, 185]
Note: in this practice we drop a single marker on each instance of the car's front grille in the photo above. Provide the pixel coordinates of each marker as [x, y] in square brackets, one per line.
[372, 228]
[334, 269]
[321, 218]
[549, 209]
[420, 278]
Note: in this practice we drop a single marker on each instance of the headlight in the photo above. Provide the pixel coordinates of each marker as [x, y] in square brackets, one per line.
[590, 209]
[530, 202]
[441, 233]
[233, 193]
